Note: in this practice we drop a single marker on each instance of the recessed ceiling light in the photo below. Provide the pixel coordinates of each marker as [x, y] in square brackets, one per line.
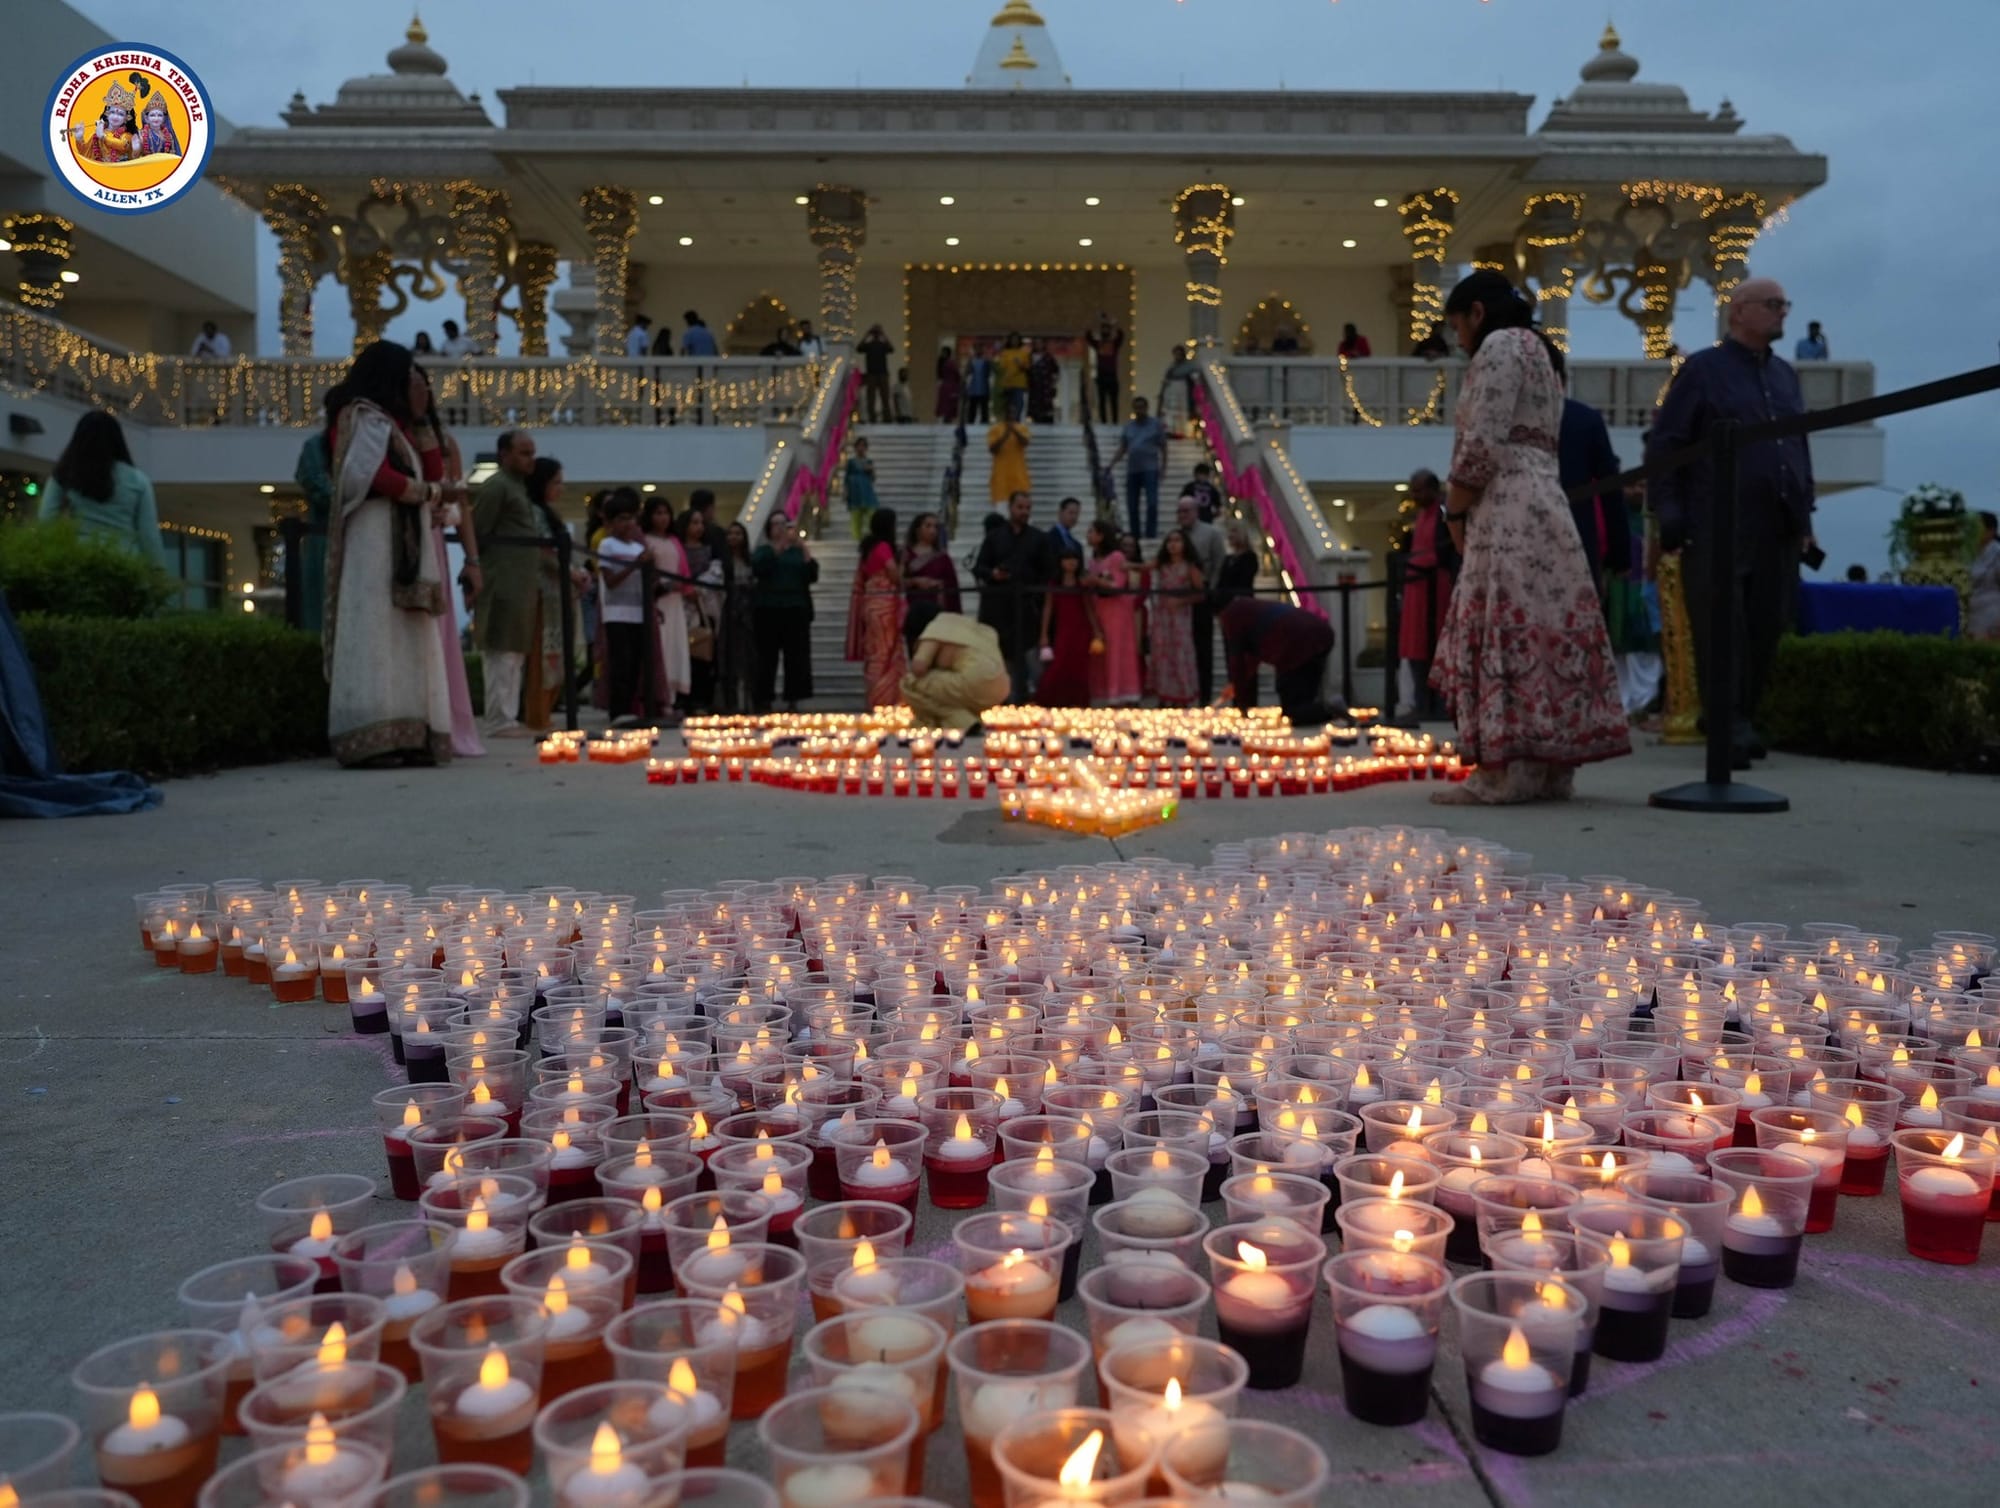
[648, 487]
[1340, 502]
[5, 244]
[802, 199]
[687, 240]
[946, 199]
[1402, 486]
[1083, 240]
[1350, 243]
[656, 199]
[1237, 201]
[1093, 201]
[951, 240]
[72, 277]
[267, 487]
[1381, 203]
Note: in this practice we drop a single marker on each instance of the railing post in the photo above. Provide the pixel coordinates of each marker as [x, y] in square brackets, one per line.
[292, 530]
[1718, 793]
[1392, 631]
[1347, 642]
[564, 553]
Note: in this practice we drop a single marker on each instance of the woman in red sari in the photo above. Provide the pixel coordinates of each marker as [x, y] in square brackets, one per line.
[1524, 660]
[875, 613]
[1069, 629]
[930, 580]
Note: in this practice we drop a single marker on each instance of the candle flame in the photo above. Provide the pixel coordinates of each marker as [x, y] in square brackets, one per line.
[650, 1200]
[1515, 1353]
[1608, 1168]
[1621, 1251]
[1929, 1098]
[1955, 1148]
[333, 1346]
[1548, 1129]
[1081, 1468]
[1480, 1126]
[962, 1131]
[1433, 1094]
[556, 1300]
[1754, 1084]
[1252, 1257]
[1402, 1241]
[476, 1218]
[412, 1116]
[320, 1446]
[864, 1255]
[681, 1378]
[1695, 1101]
[1571, 1115]
[1162, 1160]
[405, 1281]
[1753, 1204]
[718, 1235]
[1361, 1079]
[321, 1227]
[605, 1454]
[1415, 1124]
[493, 1370]
[880, 1156]
[144, 1410]
[733, 1305]
[700, 1127]
[1395, 1185]
[1854, 1115]
[1531, 1226]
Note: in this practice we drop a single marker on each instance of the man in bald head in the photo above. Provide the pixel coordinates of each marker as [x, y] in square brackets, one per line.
[1741, 377]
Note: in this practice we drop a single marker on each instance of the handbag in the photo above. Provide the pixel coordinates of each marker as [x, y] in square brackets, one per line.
[701, 634]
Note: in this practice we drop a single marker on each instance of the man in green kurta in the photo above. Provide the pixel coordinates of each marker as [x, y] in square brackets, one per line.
[503, 618]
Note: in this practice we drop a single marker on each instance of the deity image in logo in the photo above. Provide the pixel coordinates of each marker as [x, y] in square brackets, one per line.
[127, 130]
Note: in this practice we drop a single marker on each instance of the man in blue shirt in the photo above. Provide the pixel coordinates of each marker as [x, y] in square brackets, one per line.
[1812, 345]
[1142, 445]
[979, 386]
[698, 340]
[1744, 379]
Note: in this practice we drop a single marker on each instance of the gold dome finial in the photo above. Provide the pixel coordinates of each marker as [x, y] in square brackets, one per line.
[1609, 41]
[1018, 13]
[1018, 57]
[416, 33]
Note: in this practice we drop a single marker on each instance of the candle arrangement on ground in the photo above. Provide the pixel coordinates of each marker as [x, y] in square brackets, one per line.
[1081, 768]
[660, 1167]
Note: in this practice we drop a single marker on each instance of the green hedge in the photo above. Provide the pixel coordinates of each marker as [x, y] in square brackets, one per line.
[1888, 697]
[51, 568]
[166, 696]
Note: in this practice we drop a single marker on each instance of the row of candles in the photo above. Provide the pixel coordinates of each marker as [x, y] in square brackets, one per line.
[798, 1095]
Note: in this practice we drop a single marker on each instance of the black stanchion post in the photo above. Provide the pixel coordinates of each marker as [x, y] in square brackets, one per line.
[293, 532]
[1346, 638]
[564, 545]
[1718, 793]
[1392, 631]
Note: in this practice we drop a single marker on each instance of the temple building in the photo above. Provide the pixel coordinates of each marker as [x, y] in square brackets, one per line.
[1247, 226]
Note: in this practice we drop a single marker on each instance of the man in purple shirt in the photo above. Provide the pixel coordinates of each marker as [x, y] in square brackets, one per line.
[1741, 378]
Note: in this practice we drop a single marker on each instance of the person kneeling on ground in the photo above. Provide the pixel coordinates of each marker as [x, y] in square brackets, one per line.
[1292, 641]
[956, 673]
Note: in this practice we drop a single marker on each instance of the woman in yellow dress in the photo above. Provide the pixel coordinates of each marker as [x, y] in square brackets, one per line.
[111, 136]
[1007, 442]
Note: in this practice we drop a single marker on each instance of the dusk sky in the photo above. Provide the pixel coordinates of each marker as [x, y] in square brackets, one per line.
[1898, 99]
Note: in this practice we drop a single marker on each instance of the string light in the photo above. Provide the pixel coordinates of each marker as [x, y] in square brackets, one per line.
[837, 224]
[42, 243]
[534, 275]
[1427, 414]
[1733, 227]
[208, 536]
[1428, 217]
[297, 217]
[611, 215]
[1244, 331]
[1552, 232]
[1204, 224]
[479, 218]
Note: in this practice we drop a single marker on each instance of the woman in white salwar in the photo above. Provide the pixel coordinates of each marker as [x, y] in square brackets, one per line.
[389, 698]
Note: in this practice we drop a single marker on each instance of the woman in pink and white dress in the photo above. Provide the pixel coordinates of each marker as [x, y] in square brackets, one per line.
[1523, 660]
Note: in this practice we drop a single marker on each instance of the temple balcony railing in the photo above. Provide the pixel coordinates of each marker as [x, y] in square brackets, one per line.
[1392, 392]
[44, 357]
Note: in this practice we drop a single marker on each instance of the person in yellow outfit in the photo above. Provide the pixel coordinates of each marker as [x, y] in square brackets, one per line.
[1013, 363]
[956, 673]
[1007, 443]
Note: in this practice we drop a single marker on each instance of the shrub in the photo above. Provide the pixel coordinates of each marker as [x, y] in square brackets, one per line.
[1894, 698]
[166, 696]
[52, 568]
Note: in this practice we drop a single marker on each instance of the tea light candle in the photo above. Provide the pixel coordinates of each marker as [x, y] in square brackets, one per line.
[1517, 1386]
[406, 1300]
[735, 1323]
[1940, 1185]
[704, 1408]
[1266, 1296]
[1751, 1229]
[498, 1404]
[1143, 1330]
[866, 1283]
[477, 1240]
[1387, 1338]
[146, 1432]
[1012, 1288]
[889, 1336]
[882, 1170]
[997, 1404]
[962, 1145]
[838, 1484]
[1202, 1451]
[1154, 1213]
[326, 1470]
[318, 1240]
[609, 1480]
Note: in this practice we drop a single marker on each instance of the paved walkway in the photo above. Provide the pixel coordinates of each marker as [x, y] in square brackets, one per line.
[144, 1111]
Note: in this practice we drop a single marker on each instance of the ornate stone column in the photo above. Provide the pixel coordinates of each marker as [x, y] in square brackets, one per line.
[1204, 225]
[612, 217]
[1428, 216]
[297, 216]
[534, 274]
[1657, 283]
[1733, 226]
[1549, 247]
[41, 246]
[479, 226]
[1497, 256]
[837, 225]
[366, 275]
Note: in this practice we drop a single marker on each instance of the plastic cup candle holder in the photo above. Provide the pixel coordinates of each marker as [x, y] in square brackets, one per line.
[400, 1111]
[1394, 1225]
[888, 1351]
[1765, 1231]
[961, 1135]
[1244, 1460]
[270, 1415]
[1069, 1456]
[314, 1352]
[1129, 1302]
[1639, 1282]
[1702, 1204]
[1264, 1273]
[833, 1238]
[406, 1264]
[1579, 1260]
[1003, 1371]
[1945, 1180]
[1052, 1188]
[1817, 1136]
[615, 1444]
[881, 1160]
[320, 1470]
[834, 1447]
[761, 1308]
[1252, 1196]
[482, 1366]
[231, 1298]
[1870, 1112]
[35, 1452]
[703, 1231]
[1517, 1332]
[152, 1409]
[679, 1342]
[1012, 1264]
[487, 1214]
[305, 1216]
[582, 1289]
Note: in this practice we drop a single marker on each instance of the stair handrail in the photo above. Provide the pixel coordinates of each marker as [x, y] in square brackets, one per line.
[949, 487]
[798, 472]
[1255, 470]
[1103, 494]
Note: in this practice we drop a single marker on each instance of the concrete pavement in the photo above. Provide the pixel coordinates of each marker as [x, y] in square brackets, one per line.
[145, 1111]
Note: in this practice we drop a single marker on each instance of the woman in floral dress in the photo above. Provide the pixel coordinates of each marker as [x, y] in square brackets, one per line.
[1523, 661]
[1176, 587]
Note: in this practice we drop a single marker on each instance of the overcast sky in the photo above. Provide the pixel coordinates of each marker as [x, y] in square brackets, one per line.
[1899, 99]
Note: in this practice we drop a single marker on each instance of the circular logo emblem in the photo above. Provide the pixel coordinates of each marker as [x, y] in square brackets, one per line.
[128, 128]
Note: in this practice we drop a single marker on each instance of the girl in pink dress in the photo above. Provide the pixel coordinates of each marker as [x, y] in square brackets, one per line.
[1114, 673]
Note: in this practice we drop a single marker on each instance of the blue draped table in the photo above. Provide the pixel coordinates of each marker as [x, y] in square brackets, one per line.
[1827, 607]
